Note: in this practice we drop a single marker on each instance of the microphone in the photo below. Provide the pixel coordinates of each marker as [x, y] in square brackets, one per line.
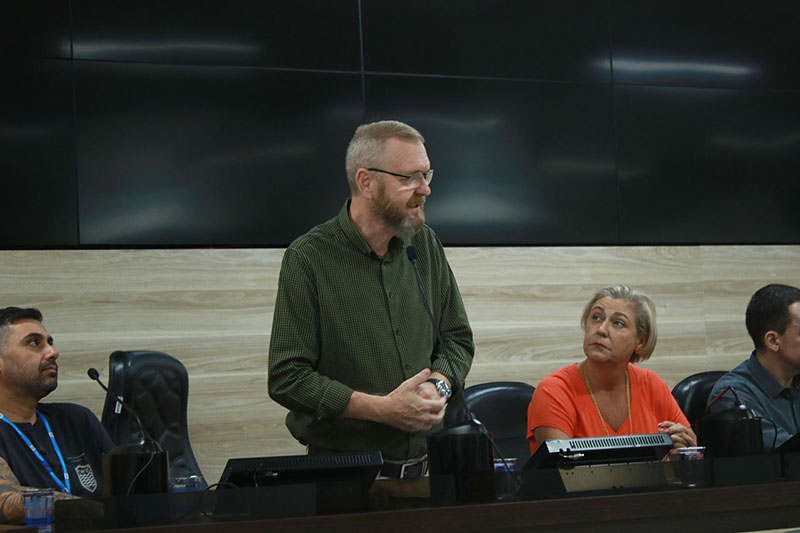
[463, 451]
[748, 413]
[411, 252]
[95, 376]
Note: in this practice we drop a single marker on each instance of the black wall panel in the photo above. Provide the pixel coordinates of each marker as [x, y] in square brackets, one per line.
[735, 43]
[202, 122]
[197, 155]
[720, 166]
[35, 28]
[317, 34]
[37, 142]
[516, 162]
[553, 40]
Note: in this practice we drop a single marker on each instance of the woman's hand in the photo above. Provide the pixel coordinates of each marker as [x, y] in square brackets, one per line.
[682, 436]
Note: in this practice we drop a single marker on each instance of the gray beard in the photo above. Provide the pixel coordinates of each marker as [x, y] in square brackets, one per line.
[393, 218]
[405, 229]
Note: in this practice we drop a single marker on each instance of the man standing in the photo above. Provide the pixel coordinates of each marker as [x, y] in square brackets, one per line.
[353, 354]
[767, 382]
[42, 445]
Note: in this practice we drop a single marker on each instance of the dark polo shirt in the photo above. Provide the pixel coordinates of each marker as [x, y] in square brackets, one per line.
[762, 393]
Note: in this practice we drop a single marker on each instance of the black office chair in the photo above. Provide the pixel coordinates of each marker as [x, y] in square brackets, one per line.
[692, 392]
[156, 386]
[502, 406]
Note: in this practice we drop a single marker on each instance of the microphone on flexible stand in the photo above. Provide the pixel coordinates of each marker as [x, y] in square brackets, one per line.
[746, 413]
[127, 463]
[144, 437]
[470, 418]
[461, 463]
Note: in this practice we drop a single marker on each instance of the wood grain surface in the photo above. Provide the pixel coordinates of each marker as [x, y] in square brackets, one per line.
[212, 309]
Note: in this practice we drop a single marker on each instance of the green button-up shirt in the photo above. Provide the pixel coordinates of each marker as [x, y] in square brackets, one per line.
[348, 320]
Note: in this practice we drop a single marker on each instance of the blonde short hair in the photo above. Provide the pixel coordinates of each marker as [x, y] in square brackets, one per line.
[643, 308]
[366, 148]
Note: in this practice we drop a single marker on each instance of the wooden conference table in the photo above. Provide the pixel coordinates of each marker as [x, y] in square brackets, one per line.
[750, 507]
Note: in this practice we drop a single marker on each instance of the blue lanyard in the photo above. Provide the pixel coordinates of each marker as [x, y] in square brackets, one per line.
[63, 485]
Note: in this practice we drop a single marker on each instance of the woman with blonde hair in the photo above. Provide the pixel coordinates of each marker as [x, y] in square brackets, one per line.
[605, 394]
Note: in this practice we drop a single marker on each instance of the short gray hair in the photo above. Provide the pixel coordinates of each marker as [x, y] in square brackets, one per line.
[366, 148]
[643, 308]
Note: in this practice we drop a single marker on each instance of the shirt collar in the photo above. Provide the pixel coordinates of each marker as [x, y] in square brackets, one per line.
[764, 379]
[396, 246]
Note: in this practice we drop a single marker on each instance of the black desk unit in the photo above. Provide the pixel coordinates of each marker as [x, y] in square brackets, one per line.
[730, 508]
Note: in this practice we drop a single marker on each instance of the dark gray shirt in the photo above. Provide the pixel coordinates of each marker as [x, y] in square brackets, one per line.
[762, 393]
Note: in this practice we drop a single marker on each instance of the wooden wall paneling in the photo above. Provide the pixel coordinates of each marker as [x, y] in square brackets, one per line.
[731, 275]
[525, 304]
[212, 309]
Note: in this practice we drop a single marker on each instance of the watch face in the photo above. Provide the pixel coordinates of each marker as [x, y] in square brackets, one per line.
[441, 387]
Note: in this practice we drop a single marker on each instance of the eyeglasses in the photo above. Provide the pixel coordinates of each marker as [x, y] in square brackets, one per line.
[412, 180]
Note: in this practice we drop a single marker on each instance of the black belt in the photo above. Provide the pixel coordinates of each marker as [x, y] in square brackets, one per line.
[405, 470]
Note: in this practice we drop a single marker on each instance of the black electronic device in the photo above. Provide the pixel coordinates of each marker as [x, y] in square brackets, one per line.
[601, 450]
[335, 482]
[735, 431]
[596, 464]
[265, 471]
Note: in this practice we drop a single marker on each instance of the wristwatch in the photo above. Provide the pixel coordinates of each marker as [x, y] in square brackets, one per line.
[441, 387]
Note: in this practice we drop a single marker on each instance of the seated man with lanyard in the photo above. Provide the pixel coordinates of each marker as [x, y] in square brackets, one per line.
[42, 445]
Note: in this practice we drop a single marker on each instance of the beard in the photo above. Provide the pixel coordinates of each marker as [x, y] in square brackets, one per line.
[34, 383]
[394, 216]
[48, 384]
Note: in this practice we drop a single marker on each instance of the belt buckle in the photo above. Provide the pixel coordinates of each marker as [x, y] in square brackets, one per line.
[409, 468]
